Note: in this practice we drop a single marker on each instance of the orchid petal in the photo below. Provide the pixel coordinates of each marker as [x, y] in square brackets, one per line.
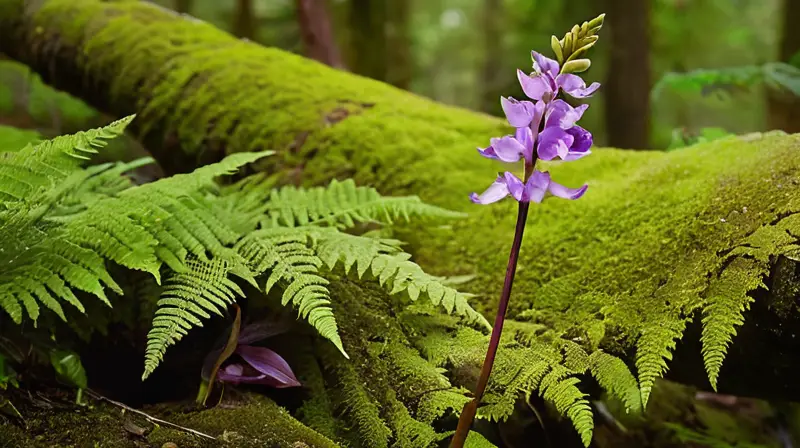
[535, 87]
[554, 142]
[525, 137]
[581, 144]
[515, 186]
[561, 114]
[543, 64]
[575, 86]
[567, 193]
[507, 149]
[498, 190]
[536, 186]
[538, 114]
[518, 113]
[270, 364]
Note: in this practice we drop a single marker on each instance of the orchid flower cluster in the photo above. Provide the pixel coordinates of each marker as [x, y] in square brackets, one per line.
[545, 129]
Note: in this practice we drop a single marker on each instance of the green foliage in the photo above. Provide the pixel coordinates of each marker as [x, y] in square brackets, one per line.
[779, 76]
[62, 222]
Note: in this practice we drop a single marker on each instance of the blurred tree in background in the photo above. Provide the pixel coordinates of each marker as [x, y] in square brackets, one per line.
[464, 52]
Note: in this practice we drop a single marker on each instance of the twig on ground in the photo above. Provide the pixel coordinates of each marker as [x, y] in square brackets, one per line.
[149, 417]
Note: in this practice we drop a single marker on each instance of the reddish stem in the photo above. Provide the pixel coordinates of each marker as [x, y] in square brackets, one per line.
[471, 408]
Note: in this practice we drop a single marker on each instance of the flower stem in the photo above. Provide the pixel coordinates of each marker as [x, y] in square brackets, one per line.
[471, 408]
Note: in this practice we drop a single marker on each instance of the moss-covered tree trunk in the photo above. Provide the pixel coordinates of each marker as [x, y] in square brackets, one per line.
[658, 240]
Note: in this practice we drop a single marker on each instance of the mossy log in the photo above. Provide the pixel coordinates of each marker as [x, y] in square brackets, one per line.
[664, 247]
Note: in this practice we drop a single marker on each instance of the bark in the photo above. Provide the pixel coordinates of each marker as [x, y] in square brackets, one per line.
[398, 44]
[244, 22]
[491, 83]
[367, 23]
[184, 6]
[315, 29]
[783, 109]
[644, 249]
[627, 86]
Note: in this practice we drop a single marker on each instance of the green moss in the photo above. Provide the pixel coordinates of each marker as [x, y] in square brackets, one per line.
[251, 422]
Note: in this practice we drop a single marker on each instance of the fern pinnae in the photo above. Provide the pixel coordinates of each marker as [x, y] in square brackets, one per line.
[342, 204]
[727, 300]
[184, 301]
[654, 349]
[283, 255]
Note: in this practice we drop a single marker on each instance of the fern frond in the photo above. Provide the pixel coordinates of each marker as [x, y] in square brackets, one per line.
[724, 310]
[284, 254]
[654, 349]
[384, 260]
[517, 371]
[611, 373]
[188, 297]
[42, 166]
[342, 204]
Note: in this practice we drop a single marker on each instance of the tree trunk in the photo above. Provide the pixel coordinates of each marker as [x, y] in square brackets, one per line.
[244, 22]
[315, 29]
[398, 44]
[624, 268]
[627, 86]
[783, 108]
[367, 20]
[183, 6]
[492, 78]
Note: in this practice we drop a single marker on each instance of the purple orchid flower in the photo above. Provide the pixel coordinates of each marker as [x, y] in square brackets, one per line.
[533, 190]
[257, 365]
[545, 82]
[261, 366]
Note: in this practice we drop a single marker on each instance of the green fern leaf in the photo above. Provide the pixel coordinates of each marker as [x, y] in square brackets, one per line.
[285, 255]
[724, 310]
[610, 371]
[384, 260]
[42, 166]
[342, 204]
[654, 349]
[188, 297]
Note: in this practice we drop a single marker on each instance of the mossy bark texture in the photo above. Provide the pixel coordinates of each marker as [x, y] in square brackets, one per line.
[664, 247]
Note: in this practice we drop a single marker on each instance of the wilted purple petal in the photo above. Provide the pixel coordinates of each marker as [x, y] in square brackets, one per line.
[275, 369]
[535, 87]
[561, 114]
[498, 190]
[543, 64]
[566, 193]
[515, 186]
[554, 142]
[575, 86]
[518, 113]
[536, 186]
[581, 144]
